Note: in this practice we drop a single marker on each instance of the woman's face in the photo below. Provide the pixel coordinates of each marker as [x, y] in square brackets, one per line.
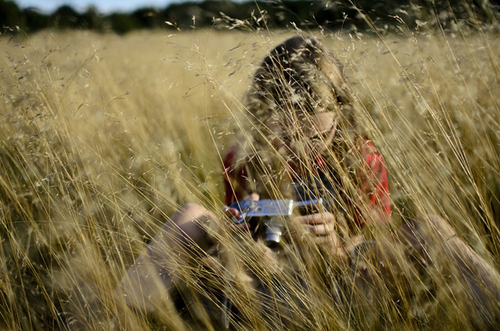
[307, 136]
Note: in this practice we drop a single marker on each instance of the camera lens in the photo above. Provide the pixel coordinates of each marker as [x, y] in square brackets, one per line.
[272, 232]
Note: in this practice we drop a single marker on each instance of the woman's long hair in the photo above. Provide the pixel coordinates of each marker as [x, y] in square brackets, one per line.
[300, 76]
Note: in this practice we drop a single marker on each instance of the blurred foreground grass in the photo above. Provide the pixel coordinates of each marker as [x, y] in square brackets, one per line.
[103, 137]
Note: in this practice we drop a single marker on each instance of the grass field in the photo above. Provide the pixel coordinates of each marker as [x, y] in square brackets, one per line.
[103, 137]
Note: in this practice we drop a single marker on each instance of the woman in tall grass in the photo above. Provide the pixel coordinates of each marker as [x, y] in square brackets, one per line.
[302, 142]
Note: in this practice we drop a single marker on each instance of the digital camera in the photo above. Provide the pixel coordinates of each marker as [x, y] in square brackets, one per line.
[267, 217]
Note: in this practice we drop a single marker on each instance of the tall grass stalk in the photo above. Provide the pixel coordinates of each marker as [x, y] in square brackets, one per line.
[104, 137]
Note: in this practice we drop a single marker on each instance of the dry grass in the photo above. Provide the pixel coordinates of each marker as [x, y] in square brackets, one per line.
[103, 137]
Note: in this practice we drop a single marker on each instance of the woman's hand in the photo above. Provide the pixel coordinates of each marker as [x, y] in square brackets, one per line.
[322, 226]
[235, 213]
[231, 212]
[315, 219]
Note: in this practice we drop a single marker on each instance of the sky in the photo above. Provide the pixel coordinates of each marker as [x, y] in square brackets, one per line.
[104, 6]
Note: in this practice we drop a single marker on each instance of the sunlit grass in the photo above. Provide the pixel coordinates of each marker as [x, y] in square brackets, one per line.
[104, 137]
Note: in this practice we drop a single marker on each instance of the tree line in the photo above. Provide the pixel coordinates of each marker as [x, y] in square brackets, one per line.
[357, 14]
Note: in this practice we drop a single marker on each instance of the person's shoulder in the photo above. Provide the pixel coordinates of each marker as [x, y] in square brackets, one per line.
[366, 146]
[231, 155]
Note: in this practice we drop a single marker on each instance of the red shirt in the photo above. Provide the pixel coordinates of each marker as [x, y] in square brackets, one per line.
[374, 185]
